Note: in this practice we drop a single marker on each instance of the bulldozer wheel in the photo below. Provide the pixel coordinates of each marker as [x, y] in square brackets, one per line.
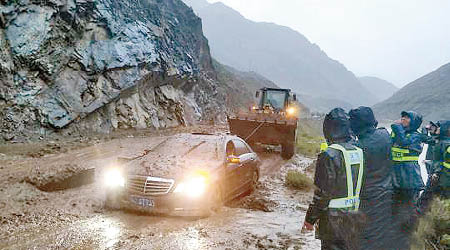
[287, 150]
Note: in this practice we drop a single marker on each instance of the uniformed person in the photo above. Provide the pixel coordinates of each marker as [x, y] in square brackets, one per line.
[407, 179]
[338, 178]
[376, 193]
[439, 175]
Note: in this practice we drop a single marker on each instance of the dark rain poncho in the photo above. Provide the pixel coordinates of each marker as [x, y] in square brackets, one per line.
[407, 179]
[337, 229]
[376, 194]
[439, 176]
[439, 159]
[407, 175]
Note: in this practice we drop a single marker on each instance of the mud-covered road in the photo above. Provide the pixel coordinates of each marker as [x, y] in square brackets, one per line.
[75, 218]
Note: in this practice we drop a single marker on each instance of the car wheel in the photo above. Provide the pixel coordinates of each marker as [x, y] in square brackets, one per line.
[255, 180]
[215, 202]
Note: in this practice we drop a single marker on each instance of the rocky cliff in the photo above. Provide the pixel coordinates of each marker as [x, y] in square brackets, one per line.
[97, 65]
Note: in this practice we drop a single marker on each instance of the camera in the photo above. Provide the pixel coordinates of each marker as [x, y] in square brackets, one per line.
[432, 128]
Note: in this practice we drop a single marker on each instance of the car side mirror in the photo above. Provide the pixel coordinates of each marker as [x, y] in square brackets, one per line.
[257, 94]
[295, 97]
[233, 159]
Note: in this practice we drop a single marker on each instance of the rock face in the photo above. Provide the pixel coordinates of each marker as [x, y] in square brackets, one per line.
[97, 65]
[428, 95]
[280, 54]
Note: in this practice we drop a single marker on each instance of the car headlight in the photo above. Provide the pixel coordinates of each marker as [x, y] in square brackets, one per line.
[290, 111]
[194, 186]
[114, 178]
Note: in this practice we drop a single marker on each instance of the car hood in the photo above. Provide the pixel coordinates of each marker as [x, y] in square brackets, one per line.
[176, 156]
[170, 168]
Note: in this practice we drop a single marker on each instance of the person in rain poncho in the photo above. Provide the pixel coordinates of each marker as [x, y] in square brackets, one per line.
[376, 193]
[338, 178]
[407, 179]
[439, 172]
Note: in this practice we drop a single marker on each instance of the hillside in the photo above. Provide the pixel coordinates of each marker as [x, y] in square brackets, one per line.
[428, 95]
[240, 87]
[96, 66]
[278, 53]
[380, 88]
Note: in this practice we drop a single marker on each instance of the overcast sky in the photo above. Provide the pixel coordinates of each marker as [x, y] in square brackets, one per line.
[397, 40]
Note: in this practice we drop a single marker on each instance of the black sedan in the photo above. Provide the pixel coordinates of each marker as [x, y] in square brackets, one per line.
[184, 174]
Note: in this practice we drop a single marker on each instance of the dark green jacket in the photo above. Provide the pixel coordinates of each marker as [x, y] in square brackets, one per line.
[439, 156]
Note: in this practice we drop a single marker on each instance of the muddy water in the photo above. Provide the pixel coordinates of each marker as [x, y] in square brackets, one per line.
[76, 219]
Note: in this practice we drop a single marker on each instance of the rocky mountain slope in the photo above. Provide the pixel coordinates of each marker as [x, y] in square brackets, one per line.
[240, 86]
[96, 65]
[428, 95]
[380, 88]
[280, 54]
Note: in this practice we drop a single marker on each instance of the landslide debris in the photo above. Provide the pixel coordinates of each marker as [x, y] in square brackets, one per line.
[258, 200]
[63, 177]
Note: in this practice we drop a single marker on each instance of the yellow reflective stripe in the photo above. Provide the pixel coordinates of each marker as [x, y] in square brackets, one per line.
[398, 154]
[406, 158]
[447, 164]
[352, 200]
[360, 177]
[400, 150]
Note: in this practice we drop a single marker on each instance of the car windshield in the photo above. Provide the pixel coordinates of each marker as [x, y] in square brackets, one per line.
[275, 99]
[186, 150]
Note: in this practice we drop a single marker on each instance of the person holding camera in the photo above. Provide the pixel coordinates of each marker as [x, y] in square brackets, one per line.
[439, 173]
[407, 179]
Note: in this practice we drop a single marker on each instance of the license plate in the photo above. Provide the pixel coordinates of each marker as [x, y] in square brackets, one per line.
[143, 202]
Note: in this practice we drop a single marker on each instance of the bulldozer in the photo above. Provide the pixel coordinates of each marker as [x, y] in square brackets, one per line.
[272, 120]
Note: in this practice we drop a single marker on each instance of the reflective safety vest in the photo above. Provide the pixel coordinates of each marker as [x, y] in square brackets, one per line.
[323, 146]
[400, 154]
[352, 158]
[403, 154]
[447, 158]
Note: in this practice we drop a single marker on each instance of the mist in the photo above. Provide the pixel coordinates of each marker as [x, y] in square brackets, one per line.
[398, 41]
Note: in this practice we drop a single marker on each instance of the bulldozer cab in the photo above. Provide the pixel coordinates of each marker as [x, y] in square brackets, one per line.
[275, 99]
[272, 120]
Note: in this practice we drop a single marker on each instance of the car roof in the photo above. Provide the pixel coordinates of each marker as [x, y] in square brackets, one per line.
[187, 147]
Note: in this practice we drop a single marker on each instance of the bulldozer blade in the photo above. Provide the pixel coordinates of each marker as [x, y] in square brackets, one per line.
[272, 132]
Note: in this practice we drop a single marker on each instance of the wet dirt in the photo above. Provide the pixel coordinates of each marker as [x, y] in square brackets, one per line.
[270, 217]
